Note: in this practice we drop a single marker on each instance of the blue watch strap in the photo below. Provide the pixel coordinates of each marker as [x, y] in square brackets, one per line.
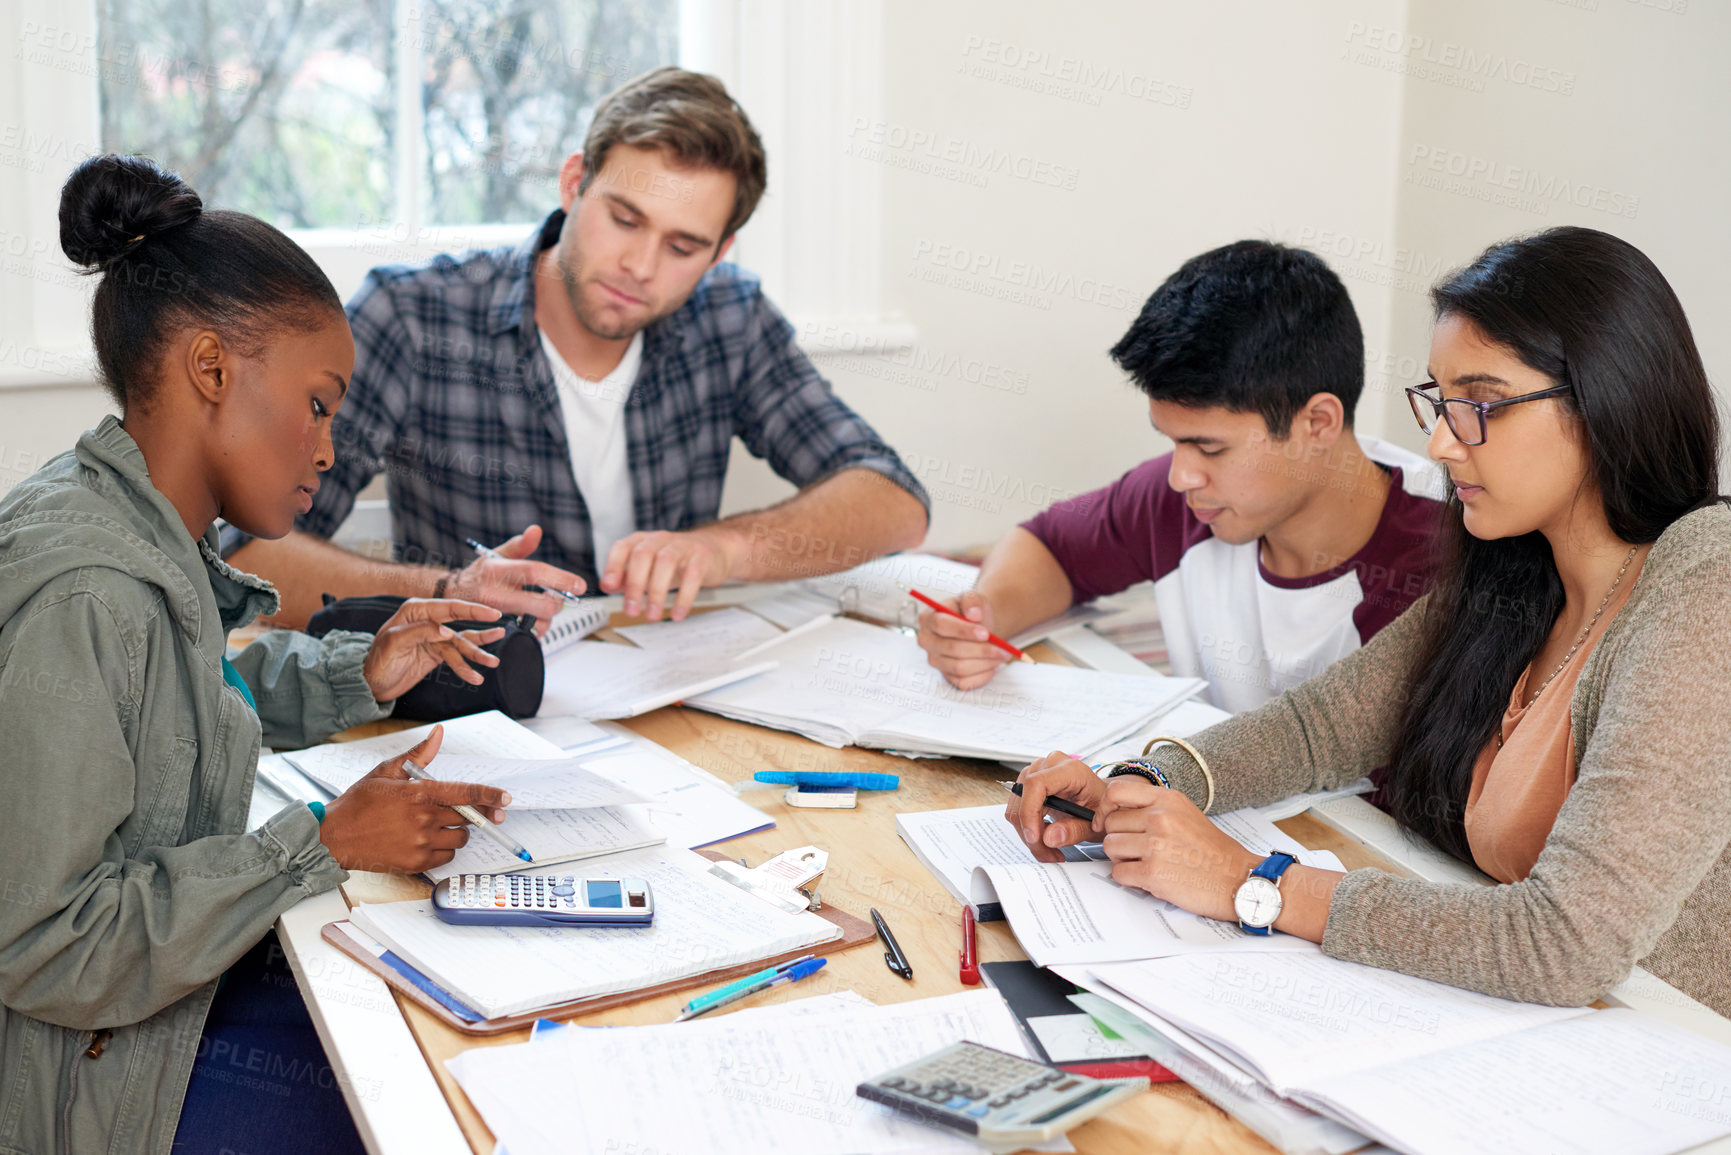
[1270, 868]
[1274, 866]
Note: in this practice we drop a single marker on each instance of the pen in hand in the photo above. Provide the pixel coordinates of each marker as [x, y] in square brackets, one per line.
[941, 608]
[472, 815]
[1053, 802]
[493, 553]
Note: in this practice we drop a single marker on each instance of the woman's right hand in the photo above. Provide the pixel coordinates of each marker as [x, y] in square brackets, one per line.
[1061, 775]
[391, 823]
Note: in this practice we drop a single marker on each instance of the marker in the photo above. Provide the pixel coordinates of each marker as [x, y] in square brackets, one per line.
[493, 553]
[893, 957]
[1061, 805]
[858, 781]
[990, 637]
[970, 948]
[790, 972]
[470, 813]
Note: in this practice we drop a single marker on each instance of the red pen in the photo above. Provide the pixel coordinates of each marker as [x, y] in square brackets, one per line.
[970, 948]
[990, 637]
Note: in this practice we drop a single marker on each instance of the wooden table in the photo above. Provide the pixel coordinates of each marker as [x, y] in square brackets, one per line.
[870, 866]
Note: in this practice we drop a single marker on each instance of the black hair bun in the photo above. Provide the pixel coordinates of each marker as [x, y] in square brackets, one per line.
[111, 200]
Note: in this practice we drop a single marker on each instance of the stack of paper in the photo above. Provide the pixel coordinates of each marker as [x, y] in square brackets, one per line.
[772, 1081]
[702, 924]
[725, 633]
[848, 683]
[602, 680]
[1428, 1068]
[1073, 911]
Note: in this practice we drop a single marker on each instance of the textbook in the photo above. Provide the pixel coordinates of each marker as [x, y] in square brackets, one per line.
[843, 682]
[1434, 1069]
[1073, 911]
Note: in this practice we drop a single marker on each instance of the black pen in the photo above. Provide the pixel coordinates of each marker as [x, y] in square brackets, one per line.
[1061, 805]
[893, 957]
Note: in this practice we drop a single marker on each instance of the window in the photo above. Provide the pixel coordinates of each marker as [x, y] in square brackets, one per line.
[341, 114]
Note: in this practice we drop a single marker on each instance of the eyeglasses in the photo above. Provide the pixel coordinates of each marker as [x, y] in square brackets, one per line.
[1466, 418]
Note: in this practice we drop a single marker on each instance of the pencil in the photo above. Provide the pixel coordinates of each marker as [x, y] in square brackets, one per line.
[990, 637]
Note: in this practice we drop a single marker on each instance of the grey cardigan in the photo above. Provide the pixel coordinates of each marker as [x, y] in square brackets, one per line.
[128, 879]
[1636, 869]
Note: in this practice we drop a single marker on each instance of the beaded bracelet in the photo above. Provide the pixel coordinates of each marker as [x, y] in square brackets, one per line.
[1141, 768]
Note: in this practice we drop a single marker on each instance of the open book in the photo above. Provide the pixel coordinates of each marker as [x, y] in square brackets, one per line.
[702, 923]
[569, 829]
[848, 683]
[1430, 1068]
[1073, 911]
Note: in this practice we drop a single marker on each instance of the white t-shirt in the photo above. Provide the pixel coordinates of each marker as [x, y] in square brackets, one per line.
[1250, 633]
[594, 413]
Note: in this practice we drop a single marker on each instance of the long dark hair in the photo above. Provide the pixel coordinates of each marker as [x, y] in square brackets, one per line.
[167, 261]
[1591, 312]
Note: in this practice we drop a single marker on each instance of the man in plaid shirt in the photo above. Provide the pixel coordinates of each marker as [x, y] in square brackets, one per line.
[577, 397]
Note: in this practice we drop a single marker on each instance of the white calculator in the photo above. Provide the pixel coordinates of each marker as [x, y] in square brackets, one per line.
[543, 900]
[1005, 1102]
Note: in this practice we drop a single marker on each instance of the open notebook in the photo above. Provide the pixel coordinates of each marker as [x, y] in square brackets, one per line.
[702, 923]
[574, 623]
[558, 834]
[1430, 1068]
[847, 683]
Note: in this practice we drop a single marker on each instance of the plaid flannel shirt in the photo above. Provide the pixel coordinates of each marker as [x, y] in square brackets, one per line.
[453, 399]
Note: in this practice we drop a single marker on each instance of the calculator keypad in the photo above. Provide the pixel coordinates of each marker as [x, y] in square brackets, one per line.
[514, 892]
[990, 1093]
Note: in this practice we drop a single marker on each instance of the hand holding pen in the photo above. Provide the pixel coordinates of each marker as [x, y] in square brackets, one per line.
[389, 822]
[1057, 778]
[960, 643]
[507, 580]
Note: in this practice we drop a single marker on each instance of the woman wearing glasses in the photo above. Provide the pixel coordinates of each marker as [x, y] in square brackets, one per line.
[1557, 710]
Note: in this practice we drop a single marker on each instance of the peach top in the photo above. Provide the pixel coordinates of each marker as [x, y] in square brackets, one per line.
[1517, 789]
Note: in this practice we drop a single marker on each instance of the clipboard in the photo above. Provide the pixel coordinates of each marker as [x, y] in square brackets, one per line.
[434, 999]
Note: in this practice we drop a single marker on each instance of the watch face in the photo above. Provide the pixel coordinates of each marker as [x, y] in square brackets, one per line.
[1257, 902]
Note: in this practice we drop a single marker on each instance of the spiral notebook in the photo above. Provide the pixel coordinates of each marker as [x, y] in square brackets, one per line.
[574, 623]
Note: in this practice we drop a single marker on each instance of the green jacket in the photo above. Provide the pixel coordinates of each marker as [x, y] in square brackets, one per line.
[128, 880]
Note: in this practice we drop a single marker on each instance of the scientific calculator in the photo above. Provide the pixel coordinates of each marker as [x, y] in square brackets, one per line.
[1004, 1101]
[543, 900]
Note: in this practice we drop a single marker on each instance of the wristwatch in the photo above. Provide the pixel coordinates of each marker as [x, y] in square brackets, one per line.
[1257, 902]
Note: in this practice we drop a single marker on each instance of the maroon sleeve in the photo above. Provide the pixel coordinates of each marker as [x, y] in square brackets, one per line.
[1133, 530]
[1396, 568]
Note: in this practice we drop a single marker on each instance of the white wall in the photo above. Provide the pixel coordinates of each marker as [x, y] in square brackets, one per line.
[1141, 132]
[1639, 138]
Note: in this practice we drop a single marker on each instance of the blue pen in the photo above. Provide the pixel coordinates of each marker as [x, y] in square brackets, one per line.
[749, 985]
[828, 778]
[474, 816]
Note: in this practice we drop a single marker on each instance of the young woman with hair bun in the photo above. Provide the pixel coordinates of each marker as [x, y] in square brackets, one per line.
[144, 1005]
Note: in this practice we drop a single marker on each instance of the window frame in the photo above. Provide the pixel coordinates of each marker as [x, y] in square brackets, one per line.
[766, 51]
